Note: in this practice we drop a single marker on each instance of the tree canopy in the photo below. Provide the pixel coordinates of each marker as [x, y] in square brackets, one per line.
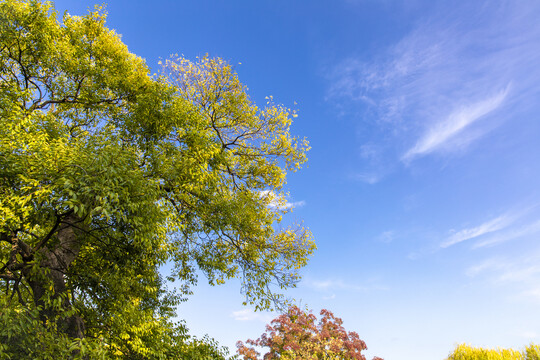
[108, 172]
[295, 335]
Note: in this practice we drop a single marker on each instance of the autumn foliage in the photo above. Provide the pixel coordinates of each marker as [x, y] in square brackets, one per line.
[297, 335]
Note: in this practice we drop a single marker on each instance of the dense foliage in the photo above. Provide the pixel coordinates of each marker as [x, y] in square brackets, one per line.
[297, 335]
[465, 352]
[107, 173]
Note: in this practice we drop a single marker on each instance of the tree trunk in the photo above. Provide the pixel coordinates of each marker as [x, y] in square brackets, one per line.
[57, 261]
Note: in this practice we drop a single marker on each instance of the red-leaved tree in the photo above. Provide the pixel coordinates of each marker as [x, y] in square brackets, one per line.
[296, 335]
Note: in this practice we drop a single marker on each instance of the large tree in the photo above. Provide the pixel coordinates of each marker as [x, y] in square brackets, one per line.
[108, 172]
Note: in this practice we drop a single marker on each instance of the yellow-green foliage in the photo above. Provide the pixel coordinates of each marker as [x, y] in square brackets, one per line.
[108, 172]
[466, 352]
[532, 352]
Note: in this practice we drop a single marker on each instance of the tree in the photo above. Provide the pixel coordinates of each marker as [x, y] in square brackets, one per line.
[296, 335]
[108, 172]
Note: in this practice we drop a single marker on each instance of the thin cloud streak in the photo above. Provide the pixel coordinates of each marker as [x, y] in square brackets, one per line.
[514, 220]
[456, 123]
[523, 273]
[250, 315]
[510, 235]
[370, 179]
[490, 226]
[339, 284]
[326, 285]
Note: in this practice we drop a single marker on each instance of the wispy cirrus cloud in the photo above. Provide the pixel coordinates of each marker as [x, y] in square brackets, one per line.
[461, 72]
[511, 234]
[332, 285]
[522, 272]
[370, 152]
[386, 236]
[487, 227]
[368, 178]
[513, 224]
[457, 122]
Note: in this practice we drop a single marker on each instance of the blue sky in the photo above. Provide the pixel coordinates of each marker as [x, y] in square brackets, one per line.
[422, 183]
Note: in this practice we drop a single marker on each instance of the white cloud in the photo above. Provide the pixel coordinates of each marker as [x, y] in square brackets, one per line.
[486, 265]
[533, 292]
[490, 226]
[440, 133]
[329, 285]
[367, 178]
[445, 84]
[386, 236]
[507, 226]
[521, 273]
[522, 231]
[275, 202]
[250, 315]
[530, 335]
